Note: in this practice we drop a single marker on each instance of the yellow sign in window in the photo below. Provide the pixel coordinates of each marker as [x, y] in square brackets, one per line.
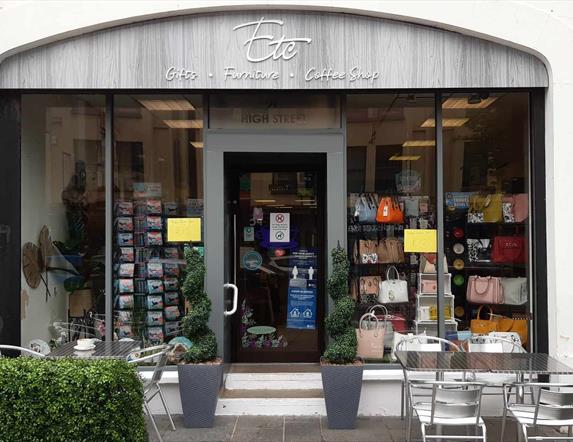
[420, 241]
[183, 229]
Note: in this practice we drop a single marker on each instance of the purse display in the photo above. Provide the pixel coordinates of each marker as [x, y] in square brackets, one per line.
[369, 288]
[484, 290]
[515, 290]
[508, 249]
[515, 208]
[365, 208]
[519, 326]
[485, 209]
[370, 338]
[393, 290]
[481, 326]
[389, 211]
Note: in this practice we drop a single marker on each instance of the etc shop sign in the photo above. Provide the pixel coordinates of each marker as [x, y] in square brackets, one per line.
[265, 40]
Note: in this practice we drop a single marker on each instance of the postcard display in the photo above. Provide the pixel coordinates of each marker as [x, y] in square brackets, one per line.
[147, 301]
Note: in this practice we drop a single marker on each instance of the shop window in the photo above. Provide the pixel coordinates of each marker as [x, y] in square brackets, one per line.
[391, 199]
[158, 184]
[276, 111]
[486, 183]
[63, 217]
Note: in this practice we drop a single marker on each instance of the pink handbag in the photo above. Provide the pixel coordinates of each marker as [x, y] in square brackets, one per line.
[370, 338]
[429, 286]
[519, 204]
[484, 290]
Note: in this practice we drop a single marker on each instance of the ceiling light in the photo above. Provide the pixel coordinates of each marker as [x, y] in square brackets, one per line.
[419, 143]
[184, 124]
[197, 144]
[167, 105]
[397, 157]
[446, 122]
[463, 103]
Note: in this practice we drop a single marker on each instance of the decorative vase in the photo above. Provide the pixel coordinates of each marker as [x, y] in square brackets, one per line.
[342, 385]
[199, 386]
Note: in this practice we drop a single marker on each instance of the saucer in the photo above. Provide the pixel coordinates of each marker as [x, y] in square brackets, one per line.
[91, 347]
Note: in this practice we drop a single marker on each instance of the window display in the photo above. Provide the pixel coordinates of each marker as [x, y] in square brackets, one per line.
[158, 177]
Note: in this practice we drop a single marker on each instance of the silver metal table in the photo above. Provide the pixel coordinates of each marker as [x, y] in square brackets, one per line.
[102, 350]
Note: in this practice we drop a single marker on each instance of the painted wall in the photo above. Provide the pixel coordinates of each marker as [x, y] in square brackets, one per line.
[544, 28]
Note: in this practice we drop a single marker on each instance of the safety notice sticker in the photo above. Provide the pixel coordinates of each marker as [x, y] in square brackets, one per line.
[280, 227]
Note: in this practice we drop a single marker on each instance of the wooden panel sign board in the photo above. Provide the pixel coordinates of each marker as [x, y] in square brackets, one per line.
[272, 49]
[184, 230]
[420, 241]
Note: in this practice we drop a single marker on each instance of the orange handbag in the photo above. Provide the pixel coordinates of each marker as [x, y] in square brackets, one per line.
[389, 211]
[505, 324]
[480, 326]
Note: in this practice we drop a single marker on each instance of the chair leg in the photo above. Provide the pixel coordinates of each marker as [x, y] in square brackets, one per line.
[409, 429]
[503, 421]
[423, 430]
[153, 421]
[402, 401]
[483, 432]
[524, 431]
[569, 433]
[166, 409]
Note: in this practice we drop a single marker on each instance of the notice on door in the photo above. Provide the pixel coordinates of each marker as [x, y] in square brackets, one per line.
[279, 227]
[301, 308]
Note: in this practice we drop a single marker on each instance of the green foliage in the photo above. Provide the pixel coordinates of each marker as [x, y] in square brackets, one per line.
[70, 400]
[195, 322]
[342, 346]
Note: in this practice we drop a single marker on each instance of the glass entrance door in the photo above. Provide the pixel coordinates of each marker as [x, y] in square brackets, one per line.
[276, 202]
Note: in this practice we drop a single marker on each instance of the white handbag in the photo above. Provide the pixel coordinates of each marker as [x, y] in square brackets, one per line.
[370, 339]
[514, 290]
[393, 291]
[509, 336]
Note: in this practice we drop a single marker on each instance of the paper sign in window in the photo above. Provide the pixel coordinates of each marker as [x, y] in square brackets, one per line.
[183, 229]
[420, 241]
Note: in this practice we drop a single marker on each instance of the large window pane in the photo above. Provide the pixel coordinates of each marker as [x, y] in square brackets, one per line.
[63, 222]
[391, 192]
[486, 180]
[158, 180]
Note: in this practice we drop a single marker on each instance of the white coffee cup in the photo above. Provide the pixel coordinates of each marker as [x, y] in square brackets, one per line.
[84, 343]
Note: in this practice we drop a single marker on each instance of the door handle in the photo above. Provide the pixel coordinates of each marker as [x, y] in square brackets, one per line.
[235, 299]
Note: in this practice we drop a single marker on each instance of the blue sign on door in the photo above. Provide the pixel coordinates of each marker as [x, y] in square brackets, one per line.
[301, 311]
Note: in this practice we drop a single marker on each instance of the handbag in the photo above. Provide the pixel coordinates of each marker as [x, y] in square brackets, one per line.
[369, 287]
[514, 290]
[481, 326]
[509, 336]
[383, 252]
[520, 207]
[368, 251]
[395, 249]
[389, 211]
[365, 209]
[429, 286]
[519, 326]
[393, 290]
[370, 340]
[479, 250]
[428, 263]
[484, 290]
[485, 209]
[508, 249]
[396, 322]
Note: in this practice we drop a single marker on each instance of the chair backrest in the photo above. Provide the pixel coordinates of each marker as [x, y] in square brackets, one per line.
[492, 344]
[157, 353]
[456, 400]
[426, 343]
[23, 351]
[554, 405]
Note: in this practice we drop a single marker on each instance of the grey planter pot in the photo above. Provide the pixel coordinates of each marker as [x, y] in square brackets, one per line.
[342, 385]
[199, 389]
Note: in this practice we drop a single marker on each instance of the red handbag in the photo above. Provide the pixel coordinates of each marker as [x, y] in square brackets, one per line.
[508, 249]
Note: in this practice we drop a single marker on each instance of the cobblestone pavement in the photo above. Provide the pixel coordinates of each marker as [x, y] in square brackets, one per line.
[307, 429]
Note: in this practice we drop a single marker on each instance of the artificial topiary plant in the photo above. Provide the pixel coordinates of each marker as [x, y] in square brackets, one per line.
[343, 344]
[195, 326]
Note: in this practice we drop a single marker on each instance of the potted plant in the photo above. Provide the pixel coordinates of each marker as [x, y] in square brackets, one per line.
[201, 372]
[341, 371]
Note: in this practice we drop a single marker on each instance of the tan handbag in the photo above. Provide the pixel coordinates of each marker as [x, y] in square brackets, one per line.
[481, 326]
[383, 252]
[370, 338]
[369, 285]
[396, 250]
[519, 326]
[368, 251]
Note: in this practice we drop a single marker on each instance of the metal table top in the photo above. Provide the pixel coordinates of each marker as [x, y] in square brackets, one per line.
[102, 350]
[538, 363]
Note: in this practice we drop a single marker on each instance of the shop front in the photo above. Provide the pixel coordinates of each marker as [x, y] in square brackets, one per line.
[265, 140]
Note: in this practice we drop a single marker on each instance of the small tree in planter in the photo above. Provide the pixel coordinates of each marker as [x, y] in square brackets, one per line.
[200, 377]
[341, 372]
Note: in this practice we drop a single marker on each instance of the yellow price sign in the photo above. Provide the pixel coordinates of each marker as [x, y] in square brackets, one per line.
[420, 241]
[183, 229]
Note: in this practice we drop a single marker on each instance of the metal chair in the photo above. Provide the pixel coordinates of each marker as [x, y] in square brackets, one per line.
[23, 351]
[453, 404]
[151, 387]
[419, 343]
[552, 408]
